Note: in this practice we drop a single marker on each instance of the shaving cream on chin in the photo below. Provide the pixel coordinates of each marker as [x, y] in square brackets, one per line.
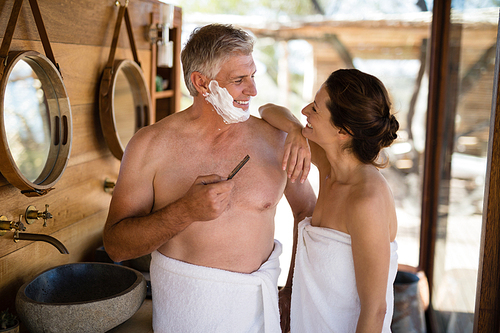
[222, 102]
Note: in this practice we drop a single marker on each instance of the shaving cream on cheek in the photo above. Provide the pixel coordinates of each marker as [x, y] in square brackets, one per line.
[222, 102]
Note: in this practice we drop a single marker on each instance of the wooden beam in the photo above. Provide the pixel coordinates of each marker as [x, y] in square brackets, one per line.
[341, 49]
[488, 286]
[434, 144]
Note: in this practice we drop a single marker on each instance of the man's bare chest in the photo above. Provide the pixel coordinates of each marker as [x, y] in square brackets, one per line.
[259, 184]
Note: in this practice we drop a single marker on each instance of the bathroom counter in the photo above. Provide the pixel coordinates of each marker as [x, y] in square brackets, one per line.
[140, 322]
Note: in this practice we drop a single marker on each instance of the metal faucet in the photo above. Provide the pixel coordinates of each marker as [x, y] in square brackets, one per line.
[39, 237]
[6, 225]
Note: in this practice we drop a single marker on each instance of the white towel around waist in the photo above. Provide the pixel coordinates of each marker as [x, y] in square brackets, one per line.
[324, 294]
[190, 298]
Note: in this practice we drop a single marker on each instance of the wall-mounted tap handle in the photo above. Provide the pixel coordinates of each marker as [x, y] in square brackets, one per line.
[32, 215]
[45, 215]
[6, 225]
[19, 226]
[109, 185]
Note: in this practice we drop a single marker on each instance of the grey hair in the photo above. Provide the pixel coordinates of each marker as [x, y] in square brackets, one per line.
[209, 47]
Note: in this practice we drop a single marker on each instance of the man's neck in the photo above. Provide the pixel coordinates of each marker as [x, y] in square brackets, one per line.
[206, 119]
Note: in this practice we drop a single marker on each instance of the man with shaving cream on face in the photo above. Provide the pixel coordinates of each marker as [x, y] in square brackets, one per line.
[214, 264]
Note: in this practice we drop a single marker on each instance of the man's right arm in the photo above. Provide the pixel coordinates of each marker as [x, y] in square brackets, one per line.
[132, 229]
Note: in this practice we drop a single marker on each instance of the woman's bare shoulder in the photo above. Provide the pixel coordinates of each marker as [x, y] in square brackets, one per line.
[371, 198]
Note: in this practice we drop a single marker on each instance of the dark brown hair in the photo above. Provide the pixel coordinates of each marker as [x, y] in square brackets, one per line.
[360, 105]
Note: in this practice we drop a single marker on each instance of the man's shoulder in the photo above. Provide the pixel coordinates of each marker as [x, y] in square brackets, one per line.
[259, 133]
[259, 124]
[156, 134]
[171, 121]
[166, 127]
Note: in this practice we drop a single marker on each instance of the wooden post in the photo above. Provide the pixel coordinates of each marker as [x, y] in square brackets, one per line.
[488, 286]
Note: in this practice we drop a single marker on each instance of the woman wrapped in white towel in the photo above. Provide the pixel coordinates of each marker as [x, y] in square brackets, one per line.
[345, 259]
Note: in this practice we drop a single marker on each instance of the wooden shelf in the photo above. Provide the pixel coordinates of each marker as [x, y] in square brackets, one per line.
[167, 102]
[164, 94]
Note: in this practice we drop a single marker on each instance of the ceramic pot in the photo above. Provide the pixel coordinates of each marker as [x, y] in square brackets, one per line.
[13, 329]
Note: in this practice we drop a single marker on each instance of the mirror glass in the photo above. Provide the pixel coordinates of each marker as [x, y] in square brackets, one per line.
[26, 118]
[123, 100]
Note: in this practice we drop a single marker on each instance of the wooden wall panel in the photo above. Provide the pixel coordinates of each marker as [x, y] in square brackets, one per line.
[80, 74]
[79, 194]
[80, 33]
[80, 22]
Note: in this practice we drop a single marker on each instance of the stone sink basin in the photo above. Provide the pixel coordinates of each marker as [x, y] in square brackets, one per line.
[80, 297]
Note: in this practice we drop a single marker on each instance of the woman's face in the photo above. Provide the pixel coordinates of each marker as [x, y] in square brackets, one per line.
[319, 126]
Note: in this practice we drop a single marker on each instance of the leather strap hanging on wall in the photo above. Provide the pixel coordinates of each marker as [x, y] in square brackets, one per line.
[9, 34]
[108, 70]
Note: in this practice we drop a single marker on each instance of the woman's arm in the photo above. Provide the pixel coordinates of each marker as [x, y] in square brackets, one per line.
[297, 153]
[280, 117]
[370, 239]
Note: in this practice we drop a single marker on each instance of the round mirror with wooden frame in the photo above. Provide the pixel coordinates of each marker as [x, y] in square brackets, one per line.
[124, 99]
[125, 106]
[36, 124]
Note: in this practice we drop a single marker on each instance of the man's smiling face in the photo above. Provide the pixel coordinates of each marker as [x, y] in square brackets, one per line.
[237, 76]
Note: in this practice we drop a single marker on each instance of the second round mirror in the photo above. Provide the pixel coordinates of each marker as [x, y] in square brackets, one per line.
[124, 106]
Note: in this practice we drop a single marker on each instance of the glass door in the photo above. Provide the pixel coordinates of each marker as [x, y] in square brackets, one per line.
[467, 111]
